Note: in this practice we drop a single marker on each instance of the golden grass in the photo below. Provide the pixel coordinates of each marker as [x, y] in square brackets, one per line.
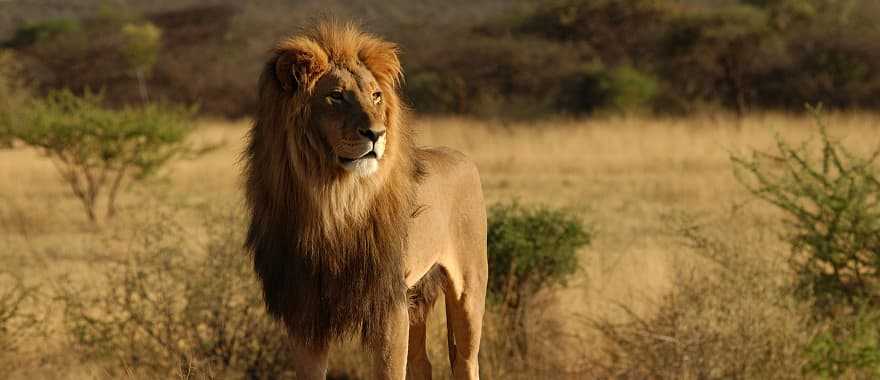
[622, 175]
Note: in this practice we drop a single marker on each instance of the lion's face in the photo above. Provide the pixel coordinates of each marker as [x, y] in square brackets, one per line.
[348, 110]
[335, 88]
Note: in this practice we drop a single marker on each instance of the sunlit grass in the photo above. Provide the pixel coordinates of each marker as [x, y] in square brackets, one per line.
[624, 176]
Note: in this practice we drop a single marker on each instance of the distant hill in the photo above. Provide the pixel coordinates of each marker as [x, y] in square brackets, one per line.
[517, 58]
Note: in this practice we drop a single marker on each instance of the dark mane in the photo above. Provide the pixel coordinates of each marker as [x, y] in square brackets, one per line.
[327, 271]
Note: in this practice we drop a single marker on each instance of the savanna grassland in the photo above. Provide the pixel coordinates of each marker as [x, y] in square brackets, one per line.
[700, 258]
[632, 180]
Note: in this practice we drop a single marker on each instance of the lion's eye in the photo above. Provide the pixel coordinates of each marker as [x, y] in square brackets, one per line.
[377, 97]
[336, 95]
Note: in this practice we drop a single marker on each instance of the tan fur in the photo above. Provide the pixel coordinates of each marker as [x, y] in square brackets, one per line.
[351, 224]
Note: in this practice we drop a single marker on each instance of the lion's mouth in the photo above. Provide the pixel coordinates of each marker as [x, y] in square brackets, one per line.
[370, 154]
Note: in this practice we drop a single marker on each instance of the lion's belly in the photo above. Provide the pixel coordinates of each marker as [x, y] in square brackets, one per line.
[428, 242]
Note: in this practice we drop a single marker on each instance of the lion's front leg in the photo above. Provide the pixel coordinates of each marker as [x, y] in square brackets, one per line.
[390, 350]
[310, 362]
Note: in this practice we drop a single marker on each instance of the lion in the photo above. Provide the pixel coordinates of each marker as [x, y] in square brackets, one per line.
[354, 230]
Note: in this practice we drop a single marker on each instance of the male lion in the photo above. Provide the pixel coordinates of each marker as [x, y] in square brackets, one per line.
[354, 228]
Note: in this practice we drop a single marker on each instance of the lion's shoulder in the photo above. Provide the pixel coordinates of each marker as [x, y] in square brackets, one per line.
[446, 171]
[444, 161]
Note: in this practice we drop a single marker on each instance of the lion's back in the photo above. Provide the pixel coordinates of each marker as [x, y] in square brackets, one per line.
[446, 162]
[452, 183]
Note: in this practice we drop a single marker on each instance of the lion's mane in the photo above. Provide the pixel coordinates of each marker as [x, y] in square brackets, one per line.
[327, 245]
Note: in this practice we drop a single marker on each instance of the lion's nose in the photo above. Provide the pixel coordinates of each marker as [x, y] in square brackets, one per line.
[372, 133]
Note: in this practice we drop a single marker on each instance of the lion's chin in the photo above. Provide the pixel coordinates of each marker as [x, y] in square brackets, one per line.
[362, 167]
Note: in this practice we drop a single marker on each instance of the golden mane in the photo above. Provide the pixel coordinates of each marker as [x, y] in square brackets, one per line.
[327, 245]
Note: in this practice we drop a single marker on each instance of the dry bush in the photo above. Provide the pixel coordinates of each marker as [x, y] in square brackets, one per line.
[552, 346]
[18, 319]
[172, 307]
[732, 315]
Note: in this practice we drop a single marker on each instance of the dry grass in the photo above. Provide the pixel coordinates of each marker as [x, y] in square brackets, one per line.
[623, 175]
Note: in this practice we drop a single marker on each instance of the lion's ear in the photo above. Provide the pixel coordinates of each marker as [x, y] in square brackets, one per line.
[381, 59]
[298, 63]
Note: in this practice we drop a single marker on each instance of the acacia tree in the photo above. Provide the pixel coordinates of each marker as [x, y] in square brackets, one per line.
[95, 149]
[831, 201]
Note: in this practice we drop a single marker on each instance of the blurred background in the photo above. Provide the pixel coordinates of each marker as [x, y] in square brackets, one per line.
[519, 59]
[677, 189]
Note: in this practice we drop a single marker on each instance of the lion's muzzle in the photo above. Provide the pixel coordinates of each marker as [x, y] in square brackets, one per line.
[362, 157]
[372, 133]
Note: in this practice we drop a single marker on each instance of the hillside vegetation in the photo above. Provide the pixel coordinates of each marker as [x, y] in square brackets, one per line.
[521, 59]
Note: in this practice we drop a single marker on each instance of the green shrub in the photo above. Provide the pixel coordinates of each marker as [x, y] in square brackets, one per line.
[848, 347]
[96, 149]
[623, 90]
[36, 32]
[630, 90]
[832, 208]
[531, 249]
[168, 304]
[831, 203]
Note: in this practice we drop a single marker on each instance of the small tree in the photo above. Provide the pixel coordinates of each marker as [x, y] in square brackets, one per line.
[96, 149]
[831, 201]
[832, 204]
[530, 249]
[141, 50]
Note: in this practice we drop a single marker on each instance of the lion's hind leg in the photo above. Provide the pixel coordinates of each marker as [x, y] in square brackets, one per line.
[464, 319]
